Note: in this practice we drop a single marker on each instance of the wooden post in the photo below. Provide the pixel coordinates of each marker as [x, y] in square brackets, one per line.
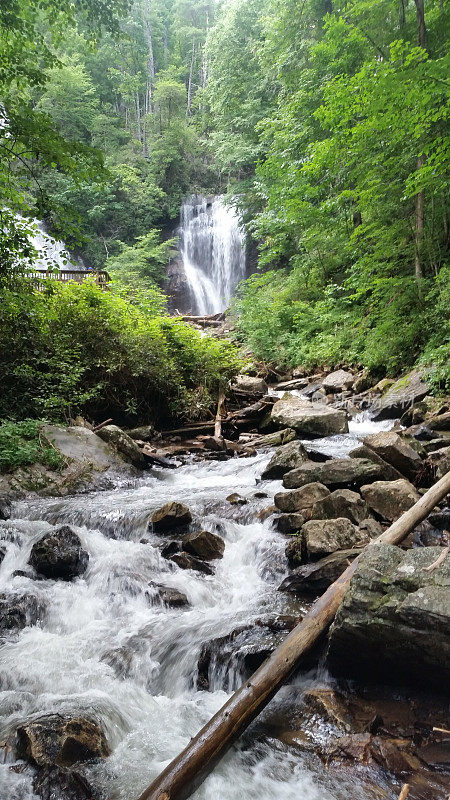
[188, 770]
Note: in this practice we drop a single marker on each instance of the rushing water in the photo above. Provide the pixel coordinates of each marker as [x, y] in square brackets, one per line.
[212, 249]
[103, 649]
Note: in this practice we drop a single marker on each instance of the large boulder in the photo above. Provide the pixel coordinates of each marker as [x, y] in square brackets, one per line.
[440, 461]
[324, 536]
[394, 620]
[145, 433]
[289, 523]
[124, 444]
[170, 517]
[395, 450]
[314, 578]
[287, 457]
[59, 555]
[341, 503]
[249, 385]
[403, 393]
[57, 740]
[389, 472]
[300, 499]
[204, 545]
[440, 422]
[390, 499]
[308, 419]
[18, 611]
[338, 381]
[339, 473]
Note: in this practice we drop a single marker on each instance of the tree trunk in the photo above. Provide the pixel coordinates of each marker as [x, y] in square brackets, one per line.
[188, 770]
[189, 91]
[419, 201]
[138, 116]
[150, 57]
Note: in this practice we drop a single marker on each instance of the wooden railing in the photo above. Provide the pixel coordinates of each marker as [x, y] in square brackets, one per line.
[40, 277]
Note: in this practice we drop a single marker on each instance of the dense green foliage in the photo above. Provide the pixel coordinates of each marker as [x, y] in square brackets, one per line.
[75, 349]
[355, 144]
[24, 443]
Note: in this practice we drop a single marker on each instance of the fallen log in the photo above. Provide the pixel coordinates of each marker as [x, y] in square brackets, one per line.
[189, 769]
[218, 420]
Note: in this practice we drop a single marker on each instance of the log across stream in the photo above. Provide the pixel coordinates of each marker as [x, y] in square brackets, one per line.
[106, 648]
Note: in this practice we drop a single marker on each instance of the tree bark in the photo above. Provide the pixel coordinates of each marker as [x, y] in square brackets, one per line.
[191, 73]
[150, 57]
[419, 201]
[188, 770]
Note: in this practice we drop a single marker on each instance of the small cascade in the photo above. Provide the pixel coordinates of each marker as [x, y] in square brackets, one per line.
[213, 252]
[52, 253]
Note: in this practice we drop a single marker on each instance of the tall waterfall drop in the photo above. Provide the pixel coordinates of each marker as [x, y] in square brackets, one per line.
[213, 252]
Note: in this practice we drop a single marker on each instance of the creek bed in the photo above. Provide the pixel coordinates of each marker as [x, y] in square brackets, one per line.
[102, 648]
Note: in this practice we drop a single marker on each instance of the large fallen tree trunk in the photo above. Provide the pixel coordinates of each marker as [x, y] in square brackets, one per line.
[187, 771]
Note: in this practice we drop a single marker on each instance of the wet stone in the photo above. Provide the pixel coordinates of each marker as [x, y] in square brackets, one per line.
[316, 577]
[59, 554]
[236, 500]
[18, 611]
[55, 783]
[5, 508]
[186, 561]
[289, 523]
[170, 517]
[204, 545]
[167, 595]
[57, 740]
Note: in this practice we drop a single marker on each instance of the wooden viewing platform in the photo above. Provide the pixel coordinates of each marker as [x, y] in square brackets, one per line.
[39, 277]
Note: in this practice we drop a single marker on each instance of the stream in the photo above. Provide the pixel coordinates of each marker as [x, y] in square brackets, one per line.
[104, 648]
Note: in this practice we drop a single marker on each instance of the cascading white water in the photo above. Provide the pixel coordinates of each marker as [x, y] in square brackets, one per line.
[213, 252]
[103, 648]
[51, 253]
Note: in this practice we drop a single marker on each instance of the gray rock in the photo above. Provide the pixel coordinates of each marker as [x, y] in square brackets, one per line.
[339, 473]
[187, 561]
[204, 545]
[289, 523]
[62, 741]
[171, 516]
[389, 472]
[18, 611]
[124, 444]
[250, 385]
[440, 461]
[390, 499]
[395, 450]
[167, 595]
[371, 526]
[324, 536]
[146, 433]
[338, 381]
[59, 555]
[441, 422]
[295, 551]
[314, 578]
[394, 620]
[308, 418]
[287, 457]
[363, 381]
[341, 503]
[5, 508]
[403, 393]
[300, 499]
[273, 439]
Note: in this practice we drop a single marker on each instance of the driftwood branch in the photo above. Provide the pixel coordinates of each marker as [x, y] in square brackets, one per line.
[188, 770]
[218, 421]
[102, 425]
[404, 792]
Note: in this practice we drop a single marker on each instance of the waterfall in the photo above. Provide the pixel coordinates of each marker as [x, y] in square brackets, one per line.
[212, 250]
[51, 252]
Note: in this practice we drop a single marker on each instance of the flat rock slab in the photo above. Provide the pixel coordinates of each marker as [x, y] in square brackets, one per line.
[308, 419]
[316, 577]
[339, 473]
[394, 621]
[338, 381]
[302, 498]
[393, 449]
[403, 393]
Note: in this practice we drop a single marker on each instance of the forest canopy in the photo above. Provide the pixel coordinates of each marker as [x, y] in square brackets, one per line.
[326, 123]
